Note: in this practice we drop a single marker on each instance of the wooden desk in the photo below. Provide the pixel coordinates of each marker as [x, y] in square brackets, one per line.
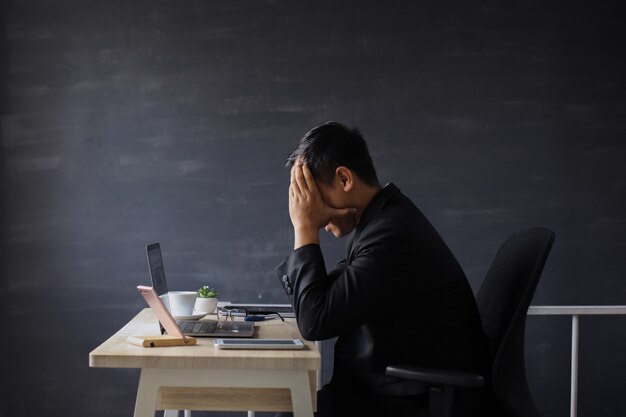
[202, 377]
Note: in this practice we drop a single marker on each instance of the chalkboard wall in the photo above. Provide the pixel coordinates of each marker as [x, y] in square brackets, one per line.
[129, 122]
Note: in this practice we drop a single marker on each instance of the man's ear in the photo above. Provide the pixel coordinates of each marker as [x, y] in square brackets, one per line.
[345, 177]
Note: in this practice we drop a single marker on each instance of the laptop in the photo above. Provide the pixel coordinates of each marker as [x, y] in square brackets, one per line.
[195, 328]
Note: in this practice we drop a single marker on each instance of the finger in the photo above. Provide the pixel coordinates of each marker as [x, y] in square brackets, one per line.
[310, 181]
[334, 230]
[300, 180]
[294, 183]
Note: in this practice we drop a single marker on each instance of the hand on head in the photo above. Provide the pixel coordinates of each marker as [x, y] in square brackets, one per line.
[309, 212]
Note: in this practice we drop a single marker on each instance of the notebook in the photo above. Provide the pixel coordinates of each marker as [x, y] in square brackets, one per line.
[196, 328]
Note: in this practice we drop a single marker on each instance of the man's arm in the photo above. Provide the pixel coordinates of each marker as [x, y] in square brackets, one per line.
[327, 304]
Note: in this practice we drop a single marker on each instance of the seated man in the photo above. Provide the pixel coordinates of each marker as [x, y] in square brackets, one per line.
[399, 297]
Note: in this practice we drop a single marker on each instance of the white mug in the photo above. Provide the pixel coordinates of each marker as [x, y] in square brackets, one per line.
[182, 302]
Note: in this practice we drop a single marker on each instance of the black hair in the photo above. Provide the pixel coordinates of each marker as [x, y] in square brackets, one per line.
[328, 146]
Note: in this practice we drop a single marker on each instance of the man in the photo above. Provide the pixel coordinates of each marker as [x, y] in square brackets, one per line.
[399, 297]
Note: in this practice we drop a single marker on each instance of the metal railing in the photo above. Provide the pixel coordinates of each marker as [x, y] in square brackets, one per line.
[575, 312]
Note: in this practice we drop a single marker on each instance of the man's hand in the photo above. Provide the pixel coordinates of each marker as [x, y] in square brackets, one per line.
[307, 209]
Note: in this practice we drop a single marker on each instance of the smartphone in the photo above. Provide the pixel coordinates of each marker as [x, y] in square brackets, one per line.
[259, 344]
[157, 306]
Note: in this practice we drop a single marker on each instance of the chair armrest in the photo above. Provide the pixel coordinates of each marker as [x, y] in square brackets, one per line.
[436, 376]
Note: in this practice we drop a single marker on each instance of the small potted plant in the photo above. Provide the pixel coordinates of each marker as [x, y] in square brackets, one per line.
[207, 299]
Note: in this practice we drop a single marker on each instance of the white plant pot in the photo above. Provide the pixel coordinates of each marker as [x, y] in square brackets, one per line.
[206, 304]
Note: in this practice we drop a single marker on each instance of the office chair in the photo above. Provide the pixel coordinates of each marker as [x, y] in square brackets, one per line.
[503, 301]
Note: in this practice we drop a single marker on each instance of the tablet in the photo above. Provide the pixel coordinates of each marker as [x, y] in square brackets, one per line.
[259, 343]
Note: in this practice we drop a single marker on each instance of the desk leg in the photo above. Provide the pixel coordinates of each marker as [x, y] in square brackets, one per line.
[574, 369]
[301, 395]
[176, 413]
[318, 378]
[146, 394]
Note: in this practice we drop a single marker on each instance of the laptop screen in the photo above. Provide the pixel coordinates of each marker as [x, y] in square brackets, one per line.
[155, 262]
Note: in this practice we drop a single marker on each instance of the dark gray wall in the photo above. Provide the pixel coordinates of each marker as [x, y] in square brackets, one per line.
[128, 122]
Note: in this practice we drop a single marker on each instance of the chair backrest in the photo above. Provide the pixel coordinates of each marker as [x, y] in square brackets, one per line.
[503, 301]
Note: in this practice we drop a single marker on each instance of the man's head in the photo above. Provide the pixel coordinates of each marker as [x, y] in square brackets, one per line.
[342, 167]
[331, 145]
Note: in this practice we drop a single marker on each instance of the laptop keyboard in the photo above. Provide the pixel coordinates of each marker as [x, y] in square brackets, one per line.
[194, 326]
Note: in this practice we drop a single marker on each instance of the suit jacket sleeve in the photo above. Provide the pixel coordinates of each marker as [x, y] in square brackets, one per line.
[327, 304]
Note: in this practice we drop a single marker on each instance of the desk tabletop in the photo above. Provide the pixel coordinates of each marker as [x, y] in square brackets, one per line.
[117, 352]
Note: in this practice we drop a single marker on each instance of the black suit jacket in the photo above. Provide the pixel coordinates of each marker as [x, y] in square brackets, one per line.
[400, 296]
